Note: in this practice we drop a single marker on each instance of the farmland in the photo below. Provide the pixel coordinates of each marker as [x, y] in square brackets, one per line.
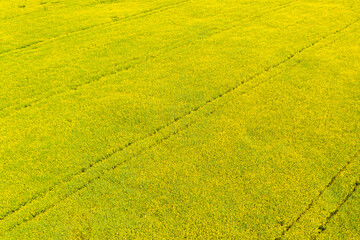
[173, 119]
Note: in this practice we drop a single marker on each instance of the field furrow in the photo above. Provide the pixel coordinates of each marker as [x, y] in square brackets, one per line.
[104, 24]
[133, 61]
[209, 100]
[35, 212]
[179, 119]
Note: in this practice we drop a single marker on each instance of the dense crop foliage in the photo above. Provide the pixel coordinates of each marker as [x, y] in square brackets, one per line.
[173, 119]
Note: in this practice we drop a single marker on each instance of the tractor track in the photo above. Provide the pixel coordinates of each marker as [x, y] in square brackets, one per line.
[332, 214]
[194, 110]
[130, 63]
[141, 14]
[129, 143]
[314, 200]
[107, 156]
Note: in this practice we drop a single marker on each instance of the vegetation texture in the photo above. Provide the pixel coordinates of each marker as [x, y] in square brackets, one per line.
[174, 119]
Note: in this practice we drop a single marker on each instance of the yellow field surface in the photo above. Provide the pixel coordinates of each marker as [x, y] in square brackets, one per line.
[180, 119]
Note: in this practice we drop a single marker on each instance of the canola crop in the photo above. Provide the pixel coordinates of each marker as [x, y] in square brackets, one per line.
[179, 119]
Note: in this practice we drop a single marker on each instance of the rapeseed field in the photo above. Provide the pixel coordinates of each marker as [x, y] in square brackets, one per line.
[180, 119]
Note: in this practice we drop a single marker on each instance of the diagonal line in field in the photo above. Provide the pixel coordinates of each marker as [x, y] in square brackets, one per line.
[134, 61]
[297, 219]
[103, 171]
[41, 9]
[196, 109]
[109, 23]
[316, 198]
[322, 228]
[130, 143]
